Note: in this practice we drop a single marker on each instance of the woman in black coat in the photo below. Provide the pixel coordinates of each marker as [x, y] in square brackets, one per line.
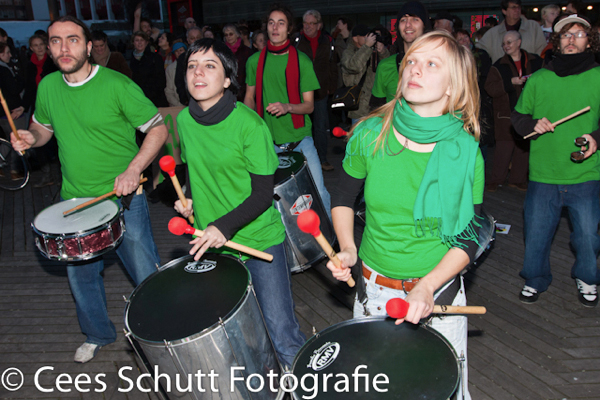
[148, 70]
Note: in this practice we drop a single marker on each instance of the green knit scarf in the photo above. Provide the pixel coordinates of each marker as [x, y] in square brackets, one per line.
[445, 195]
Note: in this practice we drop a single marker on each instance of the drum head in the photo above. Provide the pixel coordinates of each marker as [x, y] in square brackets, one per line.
[11, 160]
[418, 362]
[290, 162]
[52, 221]
[186, 297]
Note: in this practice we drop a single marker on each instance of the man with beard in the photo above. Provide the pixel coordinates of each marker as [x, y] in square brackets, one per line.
[412, 22]
[554, 180]
[93, 112]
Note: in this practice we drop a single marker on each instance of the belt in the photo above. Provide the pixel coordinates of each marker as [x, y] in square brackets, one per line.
[399, 284]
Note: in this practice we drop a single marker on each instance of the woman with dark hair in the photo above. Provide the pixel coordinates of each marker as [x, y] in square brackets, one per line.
[232, 191]
[147, 69]
[165, 44]
[233, 40]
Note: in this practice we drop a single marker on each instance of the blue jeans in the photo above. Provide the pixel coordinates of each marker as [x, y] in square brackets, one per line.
[273, 287]
[138, 253]
[320, 124]
[307, 147]
[543, 206]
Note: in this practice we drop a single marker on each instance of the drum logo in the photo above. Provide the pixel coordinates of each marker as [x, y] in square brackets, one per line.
[301, 204]
[198, 267]
[285, 162]
[324, 356]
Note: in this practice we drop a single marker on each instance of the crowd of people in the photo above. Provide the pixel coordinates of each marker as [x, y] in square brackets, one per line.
[435, 106]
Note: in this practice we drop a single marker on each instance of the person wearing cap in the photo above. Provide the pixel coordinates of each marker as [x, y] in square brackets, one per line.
[444, 21]
[532, 36]
[360, 58]
[412, 22]
[567, 84]
[171, 89]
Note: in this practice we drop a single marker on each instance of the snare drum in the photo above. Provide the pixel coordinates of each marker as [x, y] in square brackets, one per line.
[82, 235]
[295, 191]
[192, 316]
[415, 360]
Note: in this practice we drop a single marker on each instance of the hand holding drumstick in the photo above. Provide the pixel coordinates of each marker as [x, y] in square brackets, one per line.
[544, 125]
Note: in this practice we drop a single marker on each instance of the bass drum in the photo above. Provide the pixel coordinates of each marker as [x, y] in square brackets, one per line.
[192, 316]
[415, 361]
[295, 191]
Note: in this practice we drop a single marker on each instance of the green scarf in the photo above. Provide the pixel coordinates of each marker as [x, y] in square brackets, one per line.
[445, 195]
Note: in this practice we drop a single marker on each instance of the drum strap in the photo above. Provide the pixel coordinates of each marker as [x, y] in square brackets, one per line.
[448, 295]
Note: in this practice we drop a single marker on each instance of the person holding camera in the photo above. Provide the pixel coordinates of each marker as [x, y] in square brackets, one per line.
[361, 59]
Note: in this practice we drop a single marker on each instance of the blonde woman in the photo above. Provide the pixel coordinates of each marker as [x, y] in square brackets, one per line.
[423, 175]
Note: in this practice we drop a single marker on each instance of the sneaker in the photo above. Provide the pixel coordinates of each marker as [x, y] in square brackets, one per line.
[326, 166]
[528, 295]
[588, 294]
[86, 352]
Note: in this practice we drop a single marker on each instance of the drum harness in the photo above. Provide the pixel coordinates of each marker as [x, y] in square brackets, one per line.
[290, 146]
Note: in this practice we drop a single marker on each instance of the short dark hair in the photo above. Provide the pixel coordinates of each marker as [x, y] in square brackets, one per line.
[68, 18]
[145, 20]
[3, 33]
[3, 47]
[36, 36]
[141, 34]
[463, 31]
[347, 21]
[504, 3]
[282, 8]
[99, 35]
[493, 21]
[224, 54]
[593, 38]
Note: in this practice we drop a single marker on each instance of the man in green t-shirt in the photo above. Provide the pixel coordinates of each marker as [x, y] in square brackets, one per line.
[94, 112]
[286, 98]
[556, 181]
[412, 22]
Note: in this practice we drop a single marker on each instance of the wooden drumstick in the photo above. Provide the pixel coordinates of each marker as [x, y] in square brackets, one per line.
[398, 308]
[560, 121]
[167, 164]
[178, 226]
[93, 201]
[9, 118]
[309, 222]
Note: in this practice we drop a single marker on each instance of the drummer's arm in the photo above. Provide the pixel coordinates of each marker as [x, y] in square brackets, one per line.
[342, 213]
[156, 136]
[37, 135]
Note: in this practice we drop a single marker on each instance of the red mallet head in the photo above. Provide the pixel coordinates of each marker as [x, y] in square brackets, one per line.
[397, 308]
[309, 222]
[339, 132]
[179, 226]
[167, 164]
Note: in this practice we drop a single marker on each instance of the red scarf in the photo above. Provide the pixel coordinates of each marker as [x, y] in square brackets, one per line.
[292, 77]
[39, 65]
[234, 47]
[314, 42]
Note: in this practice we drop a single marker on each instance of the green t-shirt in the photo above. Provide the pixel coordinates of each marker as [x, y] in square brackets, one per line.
[220, 159]
[275, 89]
[94, 124]
[549, 158]
[390, 245]
[386, 79]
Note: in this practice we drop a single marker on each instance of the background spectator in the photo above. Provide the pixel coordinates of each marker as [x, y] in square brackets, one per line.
[148, 70]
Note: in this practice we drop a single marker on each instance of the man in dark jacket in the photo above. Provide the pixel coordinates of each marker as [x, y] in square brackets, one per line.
[568, 84]
[319, 47]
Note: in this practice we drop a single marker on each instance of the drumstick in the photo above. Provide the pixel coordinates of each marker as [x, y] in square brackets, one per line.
[167, 164]
[97, 199]
[309, 222]
[178, 226]
[9, 117]
[398, 308]
[560, 121]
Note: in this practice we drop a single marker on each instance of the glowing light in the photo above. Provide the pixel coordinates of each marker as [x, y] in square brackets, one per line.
[590, 7]
[535, 9]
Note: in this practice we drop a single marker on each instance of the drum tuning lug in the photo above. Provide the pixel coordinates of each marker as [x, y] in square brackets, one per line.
[125, 299]
[314, 330]
[168, 346]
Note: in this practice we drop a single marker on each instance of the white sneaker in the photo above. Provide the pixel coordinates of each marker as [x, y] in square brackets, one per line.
[86, 352]
[588, 294]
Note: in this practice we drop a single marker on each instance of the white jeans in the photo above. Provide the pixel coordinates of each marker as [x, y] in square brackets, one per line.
[453, 327]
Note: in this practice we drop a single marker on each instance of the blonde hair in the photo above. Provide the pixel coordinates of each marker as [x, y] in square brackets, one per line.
[464, 90]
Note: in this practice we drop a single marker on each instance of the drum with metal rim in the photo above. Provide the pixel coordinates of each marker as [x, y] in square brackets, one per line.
[203, 315]
[295, 191]
[82, 235]
[372, 358]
